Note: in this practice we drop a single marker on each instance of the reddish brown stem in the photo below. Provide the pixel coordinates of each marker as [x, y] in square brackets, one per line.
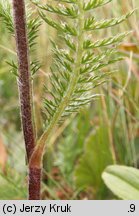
[24, 82]
[34, 183]
[35, 170]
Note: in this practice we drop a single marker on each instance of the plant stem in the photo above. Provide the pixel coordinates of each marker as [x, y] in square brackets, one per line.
[37, 156]
[110, 132]
[34, 183]
[24, 80]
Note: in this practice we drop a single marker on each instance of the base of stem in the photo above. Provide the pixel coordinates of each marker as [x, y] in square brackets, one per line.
[34, 183]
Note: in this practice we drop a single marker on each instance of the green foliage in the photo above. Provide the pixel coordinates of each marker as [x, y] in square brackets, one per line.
[96, 158]
[122, 181]
[14, 68]
[33, 24]
[71, 143]
[88, 44]
[92, 24]
[91, 4]
[12, 186]
[65, 11]
[77, 68]
[70, 146]
[5, 14]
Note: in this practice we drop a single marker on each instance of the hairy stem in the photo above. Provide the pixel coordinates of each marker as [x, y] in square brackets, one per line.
[24, 81]
[34, 183]
[36, 159]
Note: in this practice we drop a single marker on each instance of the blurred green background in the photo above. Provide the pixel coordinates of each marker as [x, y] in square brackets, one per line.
[104, 133]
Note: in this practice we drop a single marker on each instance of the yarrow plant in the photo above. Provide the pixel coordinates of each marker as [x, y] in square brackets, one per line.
[76, 71]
